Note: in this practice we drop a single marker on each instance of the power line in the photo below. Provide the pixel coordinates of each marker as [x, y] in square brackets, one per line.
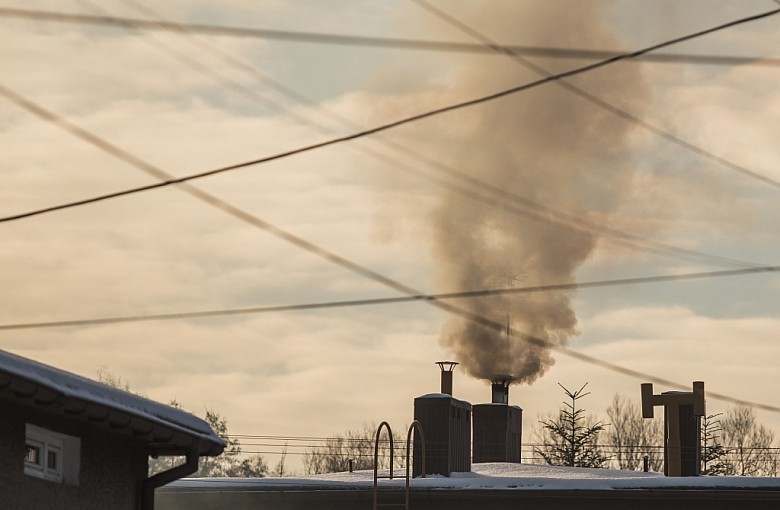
[16, 98]
[623, 114]
[322, 441]
[217, 76]
[370, 41]
[346, 263]
[387, 300]
[529, 208]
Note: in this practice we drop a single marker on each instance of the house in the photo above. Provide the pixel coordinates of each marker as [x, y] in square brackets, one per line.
[68, 442]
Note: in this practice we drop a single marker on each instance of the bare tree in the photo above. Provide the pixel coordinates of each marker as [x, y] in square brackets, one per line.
[748, 444]
[631, 437]
[279, 470]
[571, 439]
[354, 445]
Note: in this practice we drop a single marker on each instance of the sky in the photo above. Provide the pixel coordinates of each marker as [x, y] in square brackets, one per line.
[187, 103]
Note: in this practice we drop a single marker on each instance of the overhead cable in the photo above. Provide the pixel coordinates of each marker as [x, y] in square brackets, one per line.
[18, 99]
[475, 189]
[386, 300]
[623, 114]
[371, 41]
[357, 268]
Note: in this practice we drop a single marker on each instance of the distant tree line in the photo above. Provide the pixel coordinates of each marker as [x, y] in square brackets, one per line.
[734, 445]
[355, 447]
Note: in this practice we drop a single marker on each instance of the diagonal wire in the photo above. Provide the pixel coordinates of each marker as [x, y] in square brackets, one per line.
[26, 104]
[387, 300]
[415, 118]
[352, 266]
[167, 179]
[368, 41]
[623, 114]
[528, 208]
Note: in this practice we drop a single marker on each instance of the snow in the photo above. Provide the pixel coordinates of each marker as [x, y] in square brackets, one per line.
[76, 387]
[493, 476]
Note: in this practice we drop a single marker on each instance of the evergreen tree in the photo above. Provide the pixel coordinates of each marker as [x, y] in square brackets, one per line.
[571, 439]
[713, 453]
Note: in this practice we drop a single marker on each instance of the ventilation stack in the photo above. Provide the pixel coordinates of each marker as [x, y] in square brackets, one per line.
[446, 423]
[498, 426]
[683, 411]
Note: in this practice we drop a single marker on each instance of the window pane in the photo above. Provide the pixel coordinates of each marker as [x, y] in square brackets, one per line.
[33, 455]
[51, 460]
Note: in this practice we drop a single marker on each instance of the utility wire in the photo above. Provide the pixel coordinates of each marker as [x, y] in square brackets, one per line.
[387, 300]
[352, 266]
[167, 179]
[519, 206]
[527, 207]
[218, 77]
[16, 98]
[370, 41]
[623, 114]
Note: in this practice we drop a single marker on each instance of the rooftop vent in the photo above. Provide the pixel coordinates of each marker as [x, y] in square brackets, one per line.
[446, 375]
[500, 388]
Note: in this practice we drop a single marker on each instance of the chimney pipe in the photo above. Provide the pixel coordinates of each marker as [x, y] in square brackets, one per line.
[500, 389]
[446, 375]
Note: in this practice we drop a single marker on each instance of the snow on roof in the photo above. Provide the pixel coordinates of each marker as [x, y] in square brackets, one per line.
[72, 386]
[494, 476]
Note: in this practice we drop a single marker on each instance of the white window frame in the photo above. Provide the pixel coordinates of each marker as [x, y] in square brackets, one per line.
[64, 449]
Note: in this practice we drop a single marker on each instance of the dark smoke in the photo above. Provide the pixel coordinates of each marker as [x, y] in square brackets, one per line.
[547, 145]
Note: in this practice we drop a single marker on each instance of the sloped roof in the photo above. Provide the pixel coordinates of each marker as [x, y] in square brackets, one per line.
[167, 430]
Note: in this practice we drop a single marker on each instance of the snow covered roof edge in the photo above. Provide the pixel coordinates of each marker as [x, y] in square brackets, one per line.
[72, 386]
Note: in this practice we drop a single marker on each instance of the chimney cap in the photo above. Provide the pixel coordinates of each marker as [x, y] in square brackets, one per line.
[502, 379]
[447, 366]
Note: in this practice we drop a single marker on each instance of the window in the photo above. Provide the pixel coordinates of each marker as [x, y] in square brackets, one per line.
[51, 456]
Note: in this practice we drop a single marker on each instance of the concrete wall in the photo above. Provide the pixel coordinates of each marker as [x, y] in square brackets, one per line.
[112, 465]
[172, 498]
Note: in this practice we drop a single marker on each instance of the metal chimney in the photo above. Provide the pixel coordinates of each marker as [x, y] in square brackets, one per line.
[500, 389]
[446, 375]
[447, 425]
[498, 427]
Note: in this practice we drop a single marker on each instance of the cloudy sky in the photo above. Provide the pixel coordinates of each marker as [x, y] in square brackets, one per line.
[537, 188]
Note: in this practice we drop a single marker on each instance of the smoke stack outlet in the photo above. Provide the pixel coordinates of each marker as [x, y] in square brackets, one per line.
[500, 389]
[497, 426]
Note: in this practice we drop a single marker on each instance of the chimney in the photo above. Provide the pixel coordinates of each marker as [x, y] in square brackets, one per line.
[446, 375]
[498, 427]
[500, 389]
[447, 425]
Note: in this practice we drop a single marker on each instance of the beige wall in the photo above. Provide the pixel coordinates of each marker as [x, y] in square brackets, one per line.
[112, 465]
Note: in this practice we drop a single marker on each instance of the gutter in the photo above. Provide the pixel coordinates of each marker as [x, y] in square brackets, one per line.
[150, 484]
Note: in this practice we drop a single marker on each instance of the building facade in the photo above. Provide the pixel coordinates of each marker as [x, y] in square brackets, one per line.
[67, 442]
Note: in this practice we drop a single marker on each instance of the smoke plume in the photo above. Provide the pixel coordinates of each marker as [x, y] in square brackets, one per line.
[546, 145]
